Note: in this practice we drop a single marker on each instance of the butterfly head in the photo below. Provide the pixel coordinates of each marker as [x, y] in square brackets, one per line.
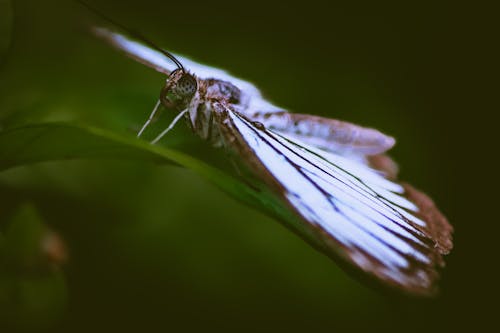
[179, 90]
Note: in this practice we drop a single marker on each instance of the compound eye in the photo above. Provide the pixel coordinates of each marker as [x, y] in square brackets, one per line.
[187, 85]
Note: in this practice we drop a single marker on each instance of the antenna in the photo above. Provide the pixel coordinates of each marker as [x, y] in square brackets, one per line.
[133, 34]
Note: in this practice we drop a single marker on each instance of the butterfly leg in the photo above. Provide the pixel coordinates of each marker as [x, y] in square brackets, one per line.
[150, 119]
[172, 124]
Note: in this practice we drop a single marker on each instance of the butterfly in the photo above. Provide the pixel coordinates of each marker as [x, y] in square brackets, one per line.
[334, 175]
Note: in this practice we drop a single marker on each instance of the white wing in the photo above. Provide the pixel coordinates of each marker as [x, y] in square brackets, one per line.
[359, 215]
[159, 62]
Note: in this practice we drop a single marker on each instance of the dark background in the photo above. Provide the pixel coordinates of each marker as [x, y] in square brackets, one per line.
[158, 248]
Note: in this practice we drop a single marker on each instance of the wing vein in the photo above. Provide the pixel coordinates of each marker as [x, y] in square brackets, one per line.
[395, 237]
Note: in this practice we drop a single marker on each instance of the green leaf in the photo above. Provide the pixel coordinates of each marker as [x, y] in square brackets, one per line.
[59, 141]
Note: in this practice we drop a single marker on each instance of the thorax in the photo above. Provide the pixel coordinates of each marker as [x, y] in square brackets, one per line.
[201, 111]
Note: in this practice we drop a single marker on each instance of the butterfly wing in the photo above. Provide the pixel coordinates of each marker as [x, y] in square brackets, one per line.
[387, 230]
[332, 135]
[162, 64]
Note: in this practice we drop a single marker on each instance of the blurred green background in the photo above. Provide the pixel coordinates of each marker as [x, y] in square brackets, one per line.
[156, 247]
